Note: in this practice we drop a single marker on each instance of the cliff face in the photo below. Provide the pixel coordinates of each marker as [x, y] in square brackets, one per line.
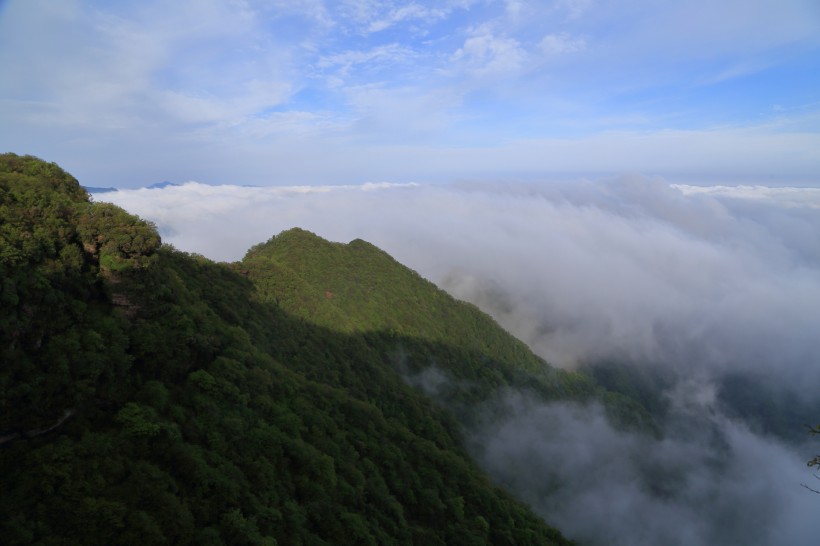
[149, 396]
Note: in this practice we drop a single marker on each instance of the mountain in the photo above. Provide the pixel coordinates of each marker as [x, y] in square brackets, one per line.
[155, 186]
[148, 396]
[161, 185]
[92, 189]
[424, 332]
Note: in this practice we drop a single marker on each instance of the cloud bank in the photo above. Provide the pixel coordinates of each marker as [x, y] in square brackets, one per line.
[628, 267]
[697, 283]
[709, 481]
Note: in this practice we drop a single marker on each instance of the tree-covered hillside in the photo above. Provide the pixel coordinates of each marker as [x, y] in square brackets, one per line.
[359, 289]
[148, 396]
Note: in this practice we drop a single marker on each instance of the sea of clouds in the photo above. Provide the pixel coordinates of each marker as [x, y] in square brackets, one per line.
[699, 282]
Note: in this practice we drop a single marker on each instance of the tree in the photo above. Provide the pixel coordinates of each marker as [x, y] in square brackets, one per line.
[815, 461]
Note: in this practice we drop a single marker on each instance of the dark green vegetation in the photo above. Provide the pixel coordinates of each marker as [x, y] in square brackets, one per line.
[149, 396]
[358, 289]
[814, 461]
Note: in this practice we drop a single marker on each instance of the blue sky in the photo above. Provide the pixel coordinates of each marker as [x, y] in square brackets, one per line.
[312, 92]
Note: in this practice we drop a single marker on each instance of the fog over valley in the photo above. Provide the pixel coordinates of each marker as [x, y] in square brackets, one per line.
[705, 297]
[629, 188]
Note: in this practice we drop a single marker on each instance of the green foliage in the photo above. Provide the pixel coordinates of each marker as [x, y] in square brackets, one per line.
[357, 288]
[58, 338]
[153, 397]
[121, 240]
[814, 461]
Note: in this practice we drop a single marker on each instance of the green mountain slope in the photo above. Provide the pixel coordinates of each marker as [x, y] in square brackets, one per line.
[148, 396]
[358, 288]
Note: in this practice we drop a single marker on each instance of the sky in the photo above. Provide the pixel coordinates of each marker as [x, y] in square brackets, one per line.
[307, 92]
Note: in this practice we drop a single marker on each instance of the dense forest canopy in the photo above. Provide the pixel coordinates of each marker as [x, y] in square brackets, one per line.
[148, 396]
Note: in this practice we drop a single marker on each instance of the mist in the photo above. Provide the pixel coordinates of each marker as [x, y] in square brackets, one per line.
[709, 480]
[696, 284]
[631, 268]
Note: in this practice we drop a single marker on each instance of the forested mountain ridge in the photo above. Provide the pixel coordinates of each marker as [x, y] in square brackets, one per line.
[358, 288]
[149, 396]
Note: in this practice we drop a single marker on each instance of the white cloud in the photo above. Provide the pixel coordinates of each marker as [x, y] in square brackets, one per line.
[119, 68]
[487, 56]
[556, 44]
[313, 10]
[515, 8]
[403, 117]
[709, 480]
[574, 8]
[403, 13]
[371, 60]
[788, 197]
[253, 98]
[369, 17]
[631, 267]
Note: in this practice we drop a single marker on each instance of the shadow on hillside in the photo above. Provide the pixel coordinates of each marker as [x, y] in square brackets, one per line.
[236, 422]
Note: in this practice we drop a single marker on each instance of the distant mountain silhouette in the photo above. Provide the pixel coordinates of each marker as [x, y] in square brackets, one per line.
[92, 189]
[155, 186]
[160, 185]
